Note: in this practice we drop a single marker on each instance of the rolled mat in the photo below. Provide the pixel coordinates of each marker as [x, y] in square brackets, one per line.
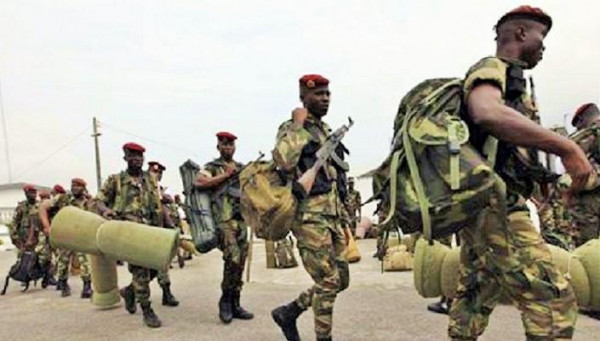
[589, 255]
[106, 300]
[427, 267]
[104, 281]
[142, 245]
[75, 229]
[571, 267]
[450, 273]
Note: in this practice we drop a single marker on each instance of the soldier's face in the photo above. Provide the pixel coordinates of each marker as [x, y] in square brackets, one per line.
[533, 47]
[351, 185]
[587, 121]
[77, 190]
[157, 173]
[317, 100]
[134, 159]
[226, 148]
[30, 196]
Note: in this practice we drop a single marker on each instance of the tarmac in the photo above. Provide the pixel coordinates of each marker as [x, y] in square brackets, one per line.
[376, 306]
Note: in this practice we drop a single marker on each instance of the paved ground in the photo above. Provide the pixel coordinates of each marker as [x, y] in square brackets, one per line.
[376, 307]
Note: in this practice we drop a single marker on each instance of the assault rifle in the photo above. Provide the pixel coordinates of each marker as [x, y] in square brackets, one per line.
[307, 179]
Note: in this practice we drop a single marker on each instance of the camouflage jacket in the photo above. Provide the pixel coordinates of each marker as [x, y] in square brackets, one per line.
[590, 143]
[518, 166]
[64, 200]
[174, 214]
[353, 202]
[133, 201]
[290, 145]
[225, 197]
[25, 217]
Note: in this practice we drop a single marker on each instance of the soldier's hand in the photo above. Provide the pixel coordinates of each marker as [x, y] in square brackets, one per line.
[109, 214]
[229, 170]
[578, 167]
[299, 115]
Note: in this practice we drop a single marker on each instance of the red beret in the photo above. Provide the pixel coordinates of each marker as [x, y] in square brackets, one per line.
[225, 135]
[59, 189]
[156, 164]
[588, 108]
[28, 188]
[312, 81]
[133, 147]
[44, 195]
[78, 181]
[526, 12]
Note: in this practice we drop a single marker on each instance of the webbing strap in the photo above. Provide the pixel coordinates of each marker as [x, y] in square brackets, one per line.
[393, 183]
[417, 182]
[454, 150]
[490, 149]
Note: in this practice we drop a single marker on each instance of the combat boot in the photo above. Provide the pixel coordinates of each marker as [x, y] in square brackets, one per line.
[238, 311]
[441, 307]
[129, 297]
[285, 317]
[65, 290]
[226, 307]
[150, 318]
[48, 279]
[324, 338]
[59, 285]
[86, 292]
[180, 261]
[168, 299]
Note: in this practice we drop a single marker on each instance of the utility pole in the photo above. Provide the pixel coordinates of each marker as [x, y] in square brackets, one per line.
[95, 135]
[5, 131]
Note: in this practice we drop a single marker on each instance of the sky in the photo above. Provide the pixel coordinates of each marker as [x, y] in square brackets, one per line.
[170, 74]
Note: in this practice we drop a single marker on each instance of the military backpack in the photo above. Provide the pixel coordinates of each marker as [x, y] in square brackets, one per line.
[434, 181]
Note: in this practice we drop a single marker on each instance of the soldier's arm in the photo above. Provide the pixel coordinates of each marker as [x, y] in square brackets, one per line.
[45, 206]
[205, 180]
[15, 226]
[486, 108]
[359, 199]
[291, 139]
[106, 197]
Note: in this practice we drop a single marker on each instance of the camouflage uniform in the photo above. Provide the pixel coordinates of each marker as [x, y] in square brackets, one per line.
[140, 203]
[585, 209]
[555, 221]
[64, 255]
[353, 204]
[26, 217]
[512, 258]
[233, 240]
[320, 237]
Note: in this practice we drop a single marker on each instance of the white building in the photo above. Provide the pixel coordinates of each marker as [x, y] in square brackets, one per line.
[10, 195]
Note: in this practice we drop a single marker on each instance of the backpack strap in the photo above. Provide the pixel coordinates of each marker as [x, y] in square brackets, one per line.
[393, 183]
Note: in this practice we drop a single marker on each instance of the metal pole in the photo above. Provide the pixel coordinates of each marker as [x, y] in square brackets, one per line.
[95, 135]
[5, 131]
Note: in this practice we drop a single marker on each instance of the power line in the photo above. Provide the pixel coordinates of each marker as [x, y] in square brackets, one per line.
[166, 145]
[6, 148]
[59, 149]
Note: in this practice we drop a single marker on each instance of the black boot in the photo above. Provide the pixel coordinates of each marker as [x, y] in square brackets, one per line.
[129, 297]
[238, 311]
[65, 290]
[324, 338]
[59, 285]
[48, 278]
[150, 318]
[440, 307]
[285, 317]
[225, 307]
[168, 299]
[180, 261]
[86, 292]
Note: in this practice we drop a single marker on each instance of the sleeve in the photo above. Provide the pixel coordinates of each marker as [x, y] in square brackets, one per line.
[14, 228]
[490, 71]
[107, 193]
[209, 170]
[291, 139]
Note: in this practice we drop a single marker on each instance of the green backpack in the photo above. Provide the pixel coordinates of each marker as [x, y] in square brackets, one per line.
[434, 181]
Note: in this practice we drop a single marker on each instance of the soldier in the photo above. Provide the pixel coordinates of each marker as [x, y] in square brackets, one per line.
[50, 207]
[320, 238]
[586, 206]
[44, 195]
[173, 212]
[504, 253]
[133, 195]
[27, 234]
[57, 190]
[219, 176]
[353, 204]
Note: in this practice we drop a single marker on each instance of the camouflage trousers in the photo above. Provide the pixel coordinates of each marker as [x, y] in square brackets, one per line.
[586, 215]
[513, 260]
[321, 243]
[234, 245]
[43, 251]
[64, 260]
[141, 278]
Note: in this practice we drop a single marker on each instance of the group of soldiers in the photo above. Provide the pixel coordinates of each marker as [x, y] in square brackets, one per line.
[497, 256]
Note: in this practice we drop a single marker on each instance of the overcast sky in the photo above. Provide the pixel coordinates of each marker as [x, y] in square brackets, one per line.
[170, 74]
